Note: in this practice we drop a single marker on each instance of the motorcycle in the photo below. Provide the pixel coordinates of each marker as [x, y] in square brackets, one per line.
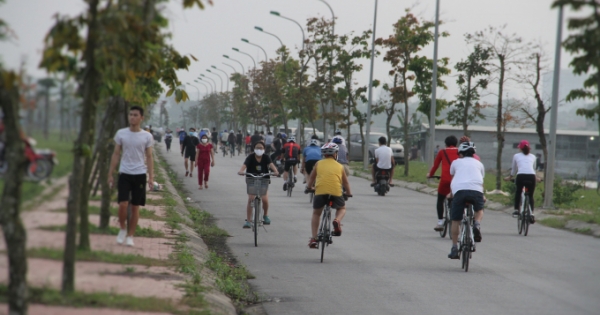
[41, 162]
[382, 186]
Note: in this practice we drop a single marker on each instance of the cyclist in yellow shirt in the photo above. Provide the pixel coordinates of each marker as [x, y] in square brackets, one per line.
[327, 178]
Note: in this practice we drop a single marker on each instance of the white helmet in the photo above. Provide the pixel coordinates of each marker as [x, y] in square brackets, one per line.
[465, 146]
[314, 142]
[292, 139]
[329, 148]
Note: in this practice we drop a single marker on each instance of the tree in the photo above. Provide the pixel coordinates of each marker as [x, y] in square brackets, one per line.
[584, 43]
[465, 109]
[508, 49]
[422, 67]
[531, 75]
[410, 36]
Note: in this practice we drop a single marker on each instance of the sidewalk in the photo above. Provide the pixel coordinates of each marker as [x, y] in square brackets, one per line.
[91, 276]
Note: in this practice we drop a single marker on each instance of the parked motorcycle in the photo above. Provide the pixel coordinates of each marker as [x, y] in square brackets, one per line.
[382, 186]
[41, 162]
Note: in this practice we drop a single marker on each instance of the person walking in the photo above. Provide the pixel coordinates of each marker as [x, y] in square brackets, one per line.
[189, 151]
[181, 134]
[231, 142]
[205, 159]
[168, 139]
[215, 139]
[238, 141]
[135, 144]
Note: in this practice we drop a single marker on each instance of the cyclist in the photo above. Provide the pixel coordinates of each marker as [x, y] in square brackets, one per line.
[384, 160]
[231, 142]
[214, 136]
[268, 142]
[338, 133]
[290, 156]
[258, 163]
[224, 137]
[310, 155]
[342, 156]
[181, 135]
[467, 139]
[255, 138]
[467, 187]
[278, 145]
[238, 140]
[248, 144]
[524, 165]
[444, 157]
[328, 178]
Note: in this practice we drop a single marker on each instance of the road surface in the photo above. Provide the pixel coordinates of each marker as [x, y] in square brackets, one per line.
[390, 261]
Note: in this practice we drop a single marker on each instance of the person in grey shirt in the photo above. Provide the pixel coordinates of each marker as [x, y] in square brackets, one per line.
[136, 161]
[342, 153]
[268, 142]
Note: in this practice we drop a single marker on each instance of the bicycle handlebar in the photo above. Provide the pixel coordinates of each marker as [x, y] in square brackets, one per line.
[258, 175]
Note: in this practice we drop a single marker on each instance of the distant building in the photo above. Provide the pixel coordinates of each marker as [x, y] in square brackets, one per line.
[576, 150]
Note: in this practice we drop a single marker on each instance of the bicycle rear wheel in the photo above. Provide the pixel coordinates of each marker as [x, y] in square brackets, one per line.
[256, 220]
[325, 231]
[520, 222]
[446, 221]
[466, 255]
[526, 218]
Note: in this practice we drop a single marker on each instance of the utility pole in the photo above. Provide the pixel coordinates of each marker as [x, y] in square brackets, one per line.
[432, 114]
[366, 145]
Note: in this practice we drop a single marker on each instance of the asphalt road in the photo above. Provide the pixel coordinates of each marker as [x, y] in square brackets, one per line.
[390, 261]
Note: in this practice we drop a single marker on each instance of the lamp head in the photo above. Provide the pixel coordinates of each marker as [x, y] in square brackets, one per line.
[226, 56]
[208, 70]
[275, 13]
[258, 28]
[235, 49]
[203, 75]
[213, 67]
[245, 40]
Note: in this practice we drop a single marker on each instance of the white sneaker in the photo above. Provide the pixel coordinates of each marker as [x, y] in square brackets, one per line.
[129, 241]
[121, 236]
[440, 222]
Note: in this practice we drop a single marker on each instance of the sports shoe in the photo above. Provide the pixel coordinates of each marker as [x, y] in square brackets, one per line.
[337, 228]
[266, 220]
[247, 225]
[453, 253]
[532, 219]
[438, 228]
[121, 236]
[373, 184]
[129, 241]
[284, 186]
[313, 243]
[477, 234]
[515, 213]
[186, 173]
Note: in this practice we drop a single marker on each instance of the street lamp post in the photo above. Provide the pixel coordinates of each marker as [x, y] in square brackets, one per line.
[368, 123]
[204, 85]
[243, 71]
[213, 81]
[210, 84]
[258, 28]
[300, 26]
[208, 70]
[197, 89]
[226, 75]
[230, 66]
[248, 42]
[432, 113]
[241, 52]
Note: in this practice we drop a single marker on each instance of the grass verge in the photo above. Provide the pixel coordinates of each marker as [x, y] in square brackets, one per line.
[98, 256]
[114, 211]
[94, 229]
[49, 296]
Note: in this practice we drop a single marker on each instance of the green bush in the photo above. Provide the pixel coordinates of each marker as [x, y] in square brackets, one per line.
[564, 192]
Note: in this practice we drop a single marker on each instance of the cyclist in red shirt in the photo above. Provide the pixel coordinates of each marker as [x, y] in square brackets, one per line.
[444, 157]
[290, 156]
[248, 151]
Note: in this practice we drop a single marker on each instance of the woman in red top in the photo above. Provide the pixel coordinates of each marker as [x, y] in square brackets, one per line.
[248, 142]
[205, 156]
[445, 157]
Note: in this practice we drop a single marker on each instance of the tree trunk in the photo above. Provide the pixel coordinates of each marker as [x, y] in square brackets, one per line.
[14, 232]
[499, 131]
[82, 149]
[467, 105]
[406, 124]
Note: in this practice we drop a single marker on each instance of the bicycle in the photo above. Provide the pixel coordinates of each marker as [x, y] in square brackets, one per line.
[467, 242]
[324, 234]
[257, 185]
[524, 217]
[232, 149]
[447, 221]
[224, 149]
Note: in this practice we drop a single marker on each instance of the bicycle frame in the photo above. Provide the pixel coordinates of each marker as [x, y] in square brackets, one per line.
[324, 236]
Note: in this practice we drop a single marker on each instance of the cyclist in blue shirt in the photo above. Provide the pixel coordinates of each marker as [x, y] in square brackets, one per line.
[310, 155]
[182, 135]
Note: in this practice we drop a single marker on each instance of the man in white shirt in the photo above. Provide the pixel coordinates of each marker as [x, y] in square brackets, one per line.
[136, 145]
[467, 187]
[384, 160]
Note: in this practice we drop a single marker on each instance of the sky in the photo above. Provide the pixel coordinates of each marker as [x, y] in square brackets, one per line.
[210, 33]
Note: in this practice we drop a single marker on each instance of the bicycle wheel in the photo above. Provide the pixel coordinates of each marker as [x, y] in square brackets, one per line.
[466, 255]
[256, 220]
[526, 218]
[520, 222]
[326, 231]
[446, 221]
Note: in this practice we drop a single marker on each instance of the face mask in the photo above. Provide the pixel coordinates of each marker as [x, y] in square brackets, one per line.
[204, 140]
[259, 152]
[191, 133]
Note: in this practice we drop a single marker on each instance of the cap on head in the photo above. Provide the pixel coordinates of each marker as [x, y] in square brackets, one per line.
[523, 143]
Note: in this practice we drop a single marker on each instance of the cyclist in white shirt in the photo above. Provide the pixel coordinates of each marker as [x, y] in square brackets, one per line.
[523, 164]
[384, 160]
[467, 186]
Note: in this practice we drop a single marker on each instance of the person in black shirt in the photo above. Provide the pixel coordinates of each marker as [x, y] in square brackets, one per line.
[189, 149]
[238, 141]
[214, 138]
[231, 142]
[258, 163]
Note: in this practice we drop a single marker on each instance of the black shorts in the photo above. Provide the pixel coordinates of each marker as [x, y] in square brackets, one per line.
[190, 155]
[380, 169]
[321, 200]
[289, 164]
[134, 184]
[309, 165]
[459, 202]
